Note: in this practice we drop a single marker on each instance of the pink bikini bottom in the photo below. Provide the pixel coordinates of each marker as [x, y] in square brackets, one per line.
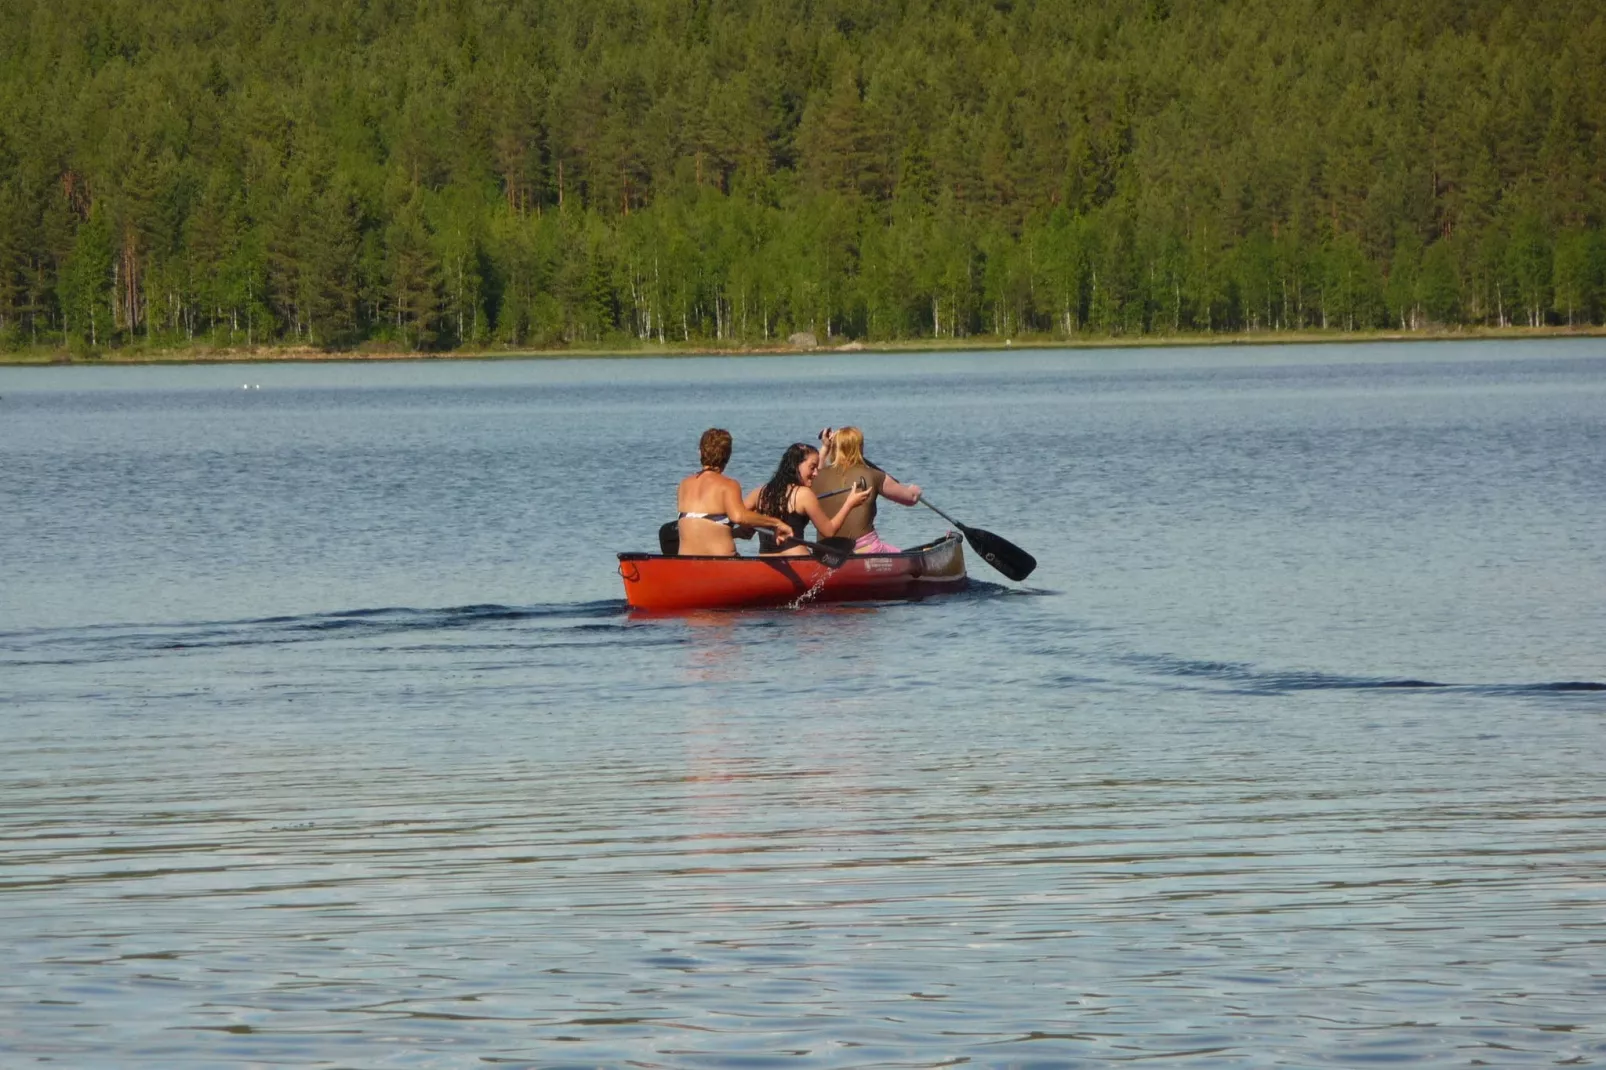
[870, 543]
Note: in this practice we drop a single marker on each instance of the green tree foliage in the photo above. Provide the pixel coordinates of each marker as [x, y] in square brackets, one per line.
[1580, 277]
[86, 291]
[466, 173]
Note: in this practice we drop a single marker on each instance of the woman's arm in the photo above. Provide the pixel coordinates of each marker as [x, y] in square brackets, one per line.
[903, 494]
[828, 526]
[740, 513]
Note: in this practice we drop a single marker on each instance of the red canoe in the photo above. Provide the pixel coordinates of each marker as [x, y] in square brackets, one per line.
[653, 581]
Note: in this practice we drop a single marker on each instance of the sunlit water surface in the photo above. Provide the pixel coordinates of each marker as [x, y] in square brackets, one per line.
[326, 739]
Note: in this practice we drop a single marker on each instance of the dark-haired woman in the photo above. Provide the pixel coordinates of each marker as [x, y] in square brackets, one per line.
[710, 503]
[789, 496]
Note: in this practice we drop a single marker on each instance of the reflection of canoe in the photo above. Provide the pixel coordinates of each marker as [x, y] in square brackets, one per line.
[653, 581]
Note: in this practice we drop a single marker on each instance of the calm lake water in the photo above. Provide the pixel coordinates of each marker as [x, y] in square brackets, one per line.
[326, 739]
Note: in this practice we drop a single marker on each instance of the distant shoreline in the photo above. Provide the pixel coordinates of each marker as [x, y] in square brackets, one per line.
[306, 354]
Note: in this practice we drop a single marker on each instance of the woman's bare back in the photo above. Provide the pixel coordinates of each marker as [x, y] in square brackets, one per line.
[712, 495]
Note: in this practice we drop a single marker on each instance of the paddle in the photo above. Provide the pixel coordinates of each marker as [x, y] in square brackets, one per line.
[830, 557]
[998, 552]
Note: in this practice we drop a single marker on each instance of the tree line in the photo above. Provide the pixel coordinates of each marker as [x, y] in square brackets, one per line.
[440, 174]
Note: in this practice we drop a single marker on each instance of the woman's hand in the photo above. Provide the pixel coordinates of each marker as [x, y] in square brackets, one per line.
[783, 531]
[858, 496]
[902, 493]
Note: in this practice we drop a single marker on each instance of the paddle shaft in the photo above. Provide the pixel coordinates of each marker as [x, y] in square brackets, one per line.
[940, 513]
[829, 556]
[825, 553]
[997, 551]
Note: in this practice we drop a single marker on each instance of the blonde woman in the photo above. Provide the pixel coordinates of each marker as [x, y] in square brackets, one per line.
[846, 467]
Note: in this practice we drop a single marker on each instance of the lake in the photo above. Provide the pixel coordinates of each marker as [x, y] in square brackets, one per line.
[326, 739]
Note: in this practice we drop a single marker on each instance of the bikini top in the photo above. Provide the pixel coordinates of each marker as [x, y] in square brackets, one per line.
[712, 518]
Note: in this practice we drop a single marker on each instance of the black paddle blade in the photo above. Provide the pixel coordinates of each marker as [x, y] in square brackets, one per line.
[1000, 553]
[828, 557]
[669, 538]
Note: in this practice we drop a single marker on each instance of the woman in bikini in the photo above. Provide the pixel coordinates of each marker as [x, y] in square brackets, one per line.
[788, 496]
[710, 503]
[845, 467]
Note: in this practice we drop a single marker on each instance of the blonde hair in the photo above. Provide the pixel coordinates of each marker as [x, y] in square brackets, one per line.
[848, 447]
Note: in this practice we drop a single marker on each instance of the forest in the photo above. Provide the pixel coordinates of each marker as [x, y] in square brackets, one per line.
[483, 175]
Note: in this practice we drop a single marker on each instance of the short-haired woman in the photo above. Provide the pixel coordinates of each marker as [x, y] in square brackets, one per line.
[710, 503]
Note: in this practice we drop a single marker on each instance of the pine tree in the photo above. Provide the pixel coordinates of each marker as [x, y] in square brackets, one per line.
[86, 283]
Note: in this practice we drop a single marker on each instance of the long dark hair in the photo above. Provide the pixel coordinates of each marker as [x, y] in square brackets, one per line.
[772, 495]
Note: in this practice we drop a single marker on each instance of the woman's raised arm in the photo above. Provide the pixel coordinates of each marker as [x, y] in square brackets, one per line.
[902, 493]
[741, 513]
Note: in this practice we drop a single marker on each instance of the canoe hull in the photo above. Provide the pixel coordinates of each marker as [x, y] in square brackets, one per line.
[656, 582]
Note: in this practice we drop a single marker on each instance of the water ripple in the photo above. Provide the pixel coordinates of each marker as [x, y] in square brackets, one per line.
[1249, 680]
[1294, 759]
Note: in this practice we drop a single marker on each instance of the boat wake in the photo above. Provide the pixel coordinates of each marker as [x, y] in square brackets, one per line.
[1245, 679]
[111, 642]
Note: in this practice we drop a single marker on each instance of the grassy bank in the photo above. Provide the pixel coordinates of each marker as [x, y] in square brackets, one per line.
[202, 354]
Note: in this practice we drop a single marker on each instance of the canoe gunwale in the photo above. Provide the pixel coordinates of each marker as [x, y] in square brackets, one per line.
[698, 581]
[925, 549]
